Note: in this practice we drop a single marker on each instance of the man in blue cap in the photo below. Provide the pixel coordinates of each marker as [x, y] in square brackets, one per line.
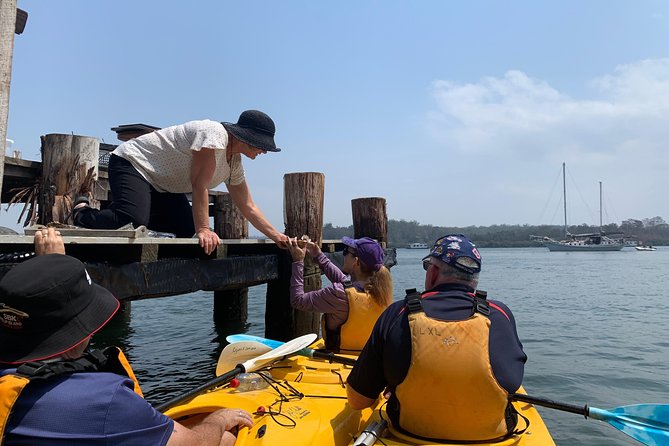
[448, 358]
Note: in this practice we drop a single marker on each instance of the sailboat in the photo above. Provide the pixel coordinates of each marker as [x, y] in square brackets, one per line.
[581, 242]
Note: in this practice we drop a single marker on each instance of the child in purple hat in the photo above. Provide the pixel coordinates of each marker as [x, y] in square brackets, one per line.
[350, 306]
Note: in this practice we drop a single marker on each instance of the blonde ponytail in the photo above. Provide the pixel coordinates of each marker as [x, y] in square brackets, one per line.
[380, 287]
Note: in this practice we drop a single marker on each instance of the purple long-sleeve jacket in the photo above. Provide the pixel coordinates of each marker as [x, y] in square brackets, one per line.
[330, 300]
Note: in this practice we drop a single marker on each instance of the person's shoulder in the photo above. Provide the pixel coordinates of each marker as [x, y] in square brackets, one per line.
[393, 309]
[203, 124]
[104, 379]
[501, 308]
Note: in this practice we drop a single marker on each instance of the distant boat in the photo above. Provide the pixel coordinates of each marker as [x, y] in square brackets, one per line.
[418, 246]
[645, 248]
[581, 242]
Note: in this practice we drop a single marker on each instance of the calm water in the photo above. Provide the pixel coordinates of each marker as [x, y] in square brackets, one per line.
[591, 324]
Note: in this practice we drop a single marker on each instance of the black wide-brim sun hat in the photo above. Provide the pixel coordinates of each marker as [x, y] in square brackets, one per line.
[254, 128]
[49, 305]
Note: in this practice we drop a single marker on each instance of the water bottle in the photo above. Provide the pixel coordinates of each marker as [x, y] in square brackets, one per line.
[245, 382]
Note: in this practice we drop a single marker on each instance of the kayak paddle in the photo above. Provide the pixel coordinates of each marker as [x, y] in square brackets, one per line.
[288, 348]
[238, 352]
[308, 352]
[646, 423]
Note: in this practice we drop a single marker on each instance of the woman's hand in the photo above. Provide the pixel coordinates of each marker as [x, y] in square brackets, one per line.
[281, 240]
[313, 249]
[208, 240]
[296, 252]
[48, 241]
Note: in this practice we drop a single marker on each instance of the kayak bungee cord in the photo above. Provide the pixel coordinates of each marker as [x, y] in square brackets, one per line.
[291, 394]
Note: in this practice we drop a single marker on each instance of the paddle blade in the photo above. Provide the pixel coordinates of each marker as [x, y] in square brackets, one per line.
[238, 353]
[646, 423]
[288, 348]
[246, 337]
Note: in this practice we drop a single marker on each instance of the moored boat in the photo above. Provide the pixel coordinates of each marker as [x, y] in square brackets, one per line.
[418, 245]
[305, 404]
[582, 242]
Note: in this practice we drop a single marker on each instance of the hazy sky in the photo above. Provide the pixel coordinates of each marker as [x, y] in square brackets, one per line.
[457, 112]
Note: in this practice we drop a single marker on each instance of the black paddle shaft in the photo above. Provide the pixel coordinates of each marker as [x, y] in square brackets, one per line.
[333, 358]
[580, 410]
[198, 390]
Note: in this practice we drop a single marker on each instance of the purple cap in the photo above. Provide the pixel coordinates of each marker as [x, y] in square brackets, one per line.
[457, 251]
[368, 251]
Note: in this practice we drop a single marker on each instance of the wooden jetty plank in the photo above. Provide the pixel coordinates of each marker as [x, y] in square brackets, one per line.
[14, 239]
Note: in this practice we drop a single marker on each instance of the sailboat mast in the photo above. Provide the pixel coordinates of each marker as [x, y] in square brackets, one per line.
[600, 207]
[564, 194]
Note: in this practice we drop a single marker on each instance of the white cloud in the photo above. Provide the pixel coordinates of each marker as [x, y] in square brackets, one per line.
[497, 114]
[516, 128]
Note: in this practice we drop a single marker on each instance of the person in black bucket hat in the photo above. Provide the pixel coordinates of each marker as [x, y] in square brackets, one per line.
[149, 177]
[53, 391]
[254, 128]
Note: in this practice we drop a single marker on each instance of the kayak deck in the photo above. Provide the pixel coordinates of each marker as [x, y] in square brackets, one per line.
[306, 405]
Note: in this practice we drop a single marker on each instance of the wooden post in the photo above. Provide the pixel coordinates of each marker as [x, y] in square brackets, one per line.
[229, 223]
[370, 219]
[69, 170]
[7, 28]
[303, 209]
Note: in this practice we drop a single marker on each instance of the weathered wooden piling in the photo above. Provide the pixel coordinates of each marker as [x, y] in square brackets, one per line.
[303, 209]
[370, 219]
[229, 223]
[7, 29]
[69, 170]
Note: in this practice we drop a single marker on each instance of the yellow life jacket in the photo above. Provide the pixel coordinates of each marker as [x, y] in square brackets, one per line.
[112, 360]
[351, 336]
[450, 391]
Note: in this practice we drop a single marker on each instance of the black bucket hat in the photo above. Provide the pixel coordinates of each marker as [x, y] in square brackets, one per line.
[49, 305]
[254, 128]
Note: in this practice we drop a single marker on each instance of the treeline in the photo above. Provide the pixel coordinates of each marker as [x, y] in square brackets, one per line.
[401, 232]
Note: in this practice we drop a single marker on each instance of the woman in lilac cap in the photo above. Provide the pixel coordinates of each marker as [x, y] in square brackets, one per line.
[350, 307]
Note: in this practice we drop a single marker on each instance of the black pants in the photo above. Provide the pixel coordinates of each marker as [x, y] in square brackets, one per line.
[136, 201]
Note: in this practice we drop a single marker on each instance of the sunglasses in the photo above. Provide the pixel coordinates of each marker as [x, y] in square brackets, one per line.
[348, 251]
[427, 263]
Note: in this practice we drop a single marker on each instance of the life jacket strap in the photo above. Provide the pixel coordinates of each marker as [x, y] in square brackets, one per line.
[413, 301]
[40, 370]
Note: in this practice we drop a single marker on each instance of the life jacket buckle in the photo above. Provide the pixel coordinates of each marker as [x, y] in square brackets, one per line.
[483, 309]
[32, 368]
[482, 306]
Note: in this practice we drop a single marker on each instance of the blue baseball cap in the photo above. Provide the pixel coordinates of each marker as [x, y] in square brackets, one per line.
[457, 251]
[368, 251]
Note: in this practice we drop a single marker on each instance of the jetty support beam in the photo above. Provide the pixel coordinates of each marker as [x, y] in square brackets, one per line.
[229, 223]
[170, 277]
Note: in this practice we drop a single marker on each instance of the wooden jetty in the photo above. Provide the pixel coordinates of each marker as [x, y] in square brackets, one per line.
[135, 266]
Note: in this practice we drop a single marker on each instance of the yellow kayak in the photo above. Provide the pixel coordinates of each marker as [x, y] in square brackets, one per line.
[306, 405]
[536, 433]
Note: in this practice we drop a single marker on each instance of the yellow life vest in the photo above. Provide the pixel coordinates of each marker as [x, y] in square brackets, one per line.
[351, 336]
[112, 360]
[450, 391]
